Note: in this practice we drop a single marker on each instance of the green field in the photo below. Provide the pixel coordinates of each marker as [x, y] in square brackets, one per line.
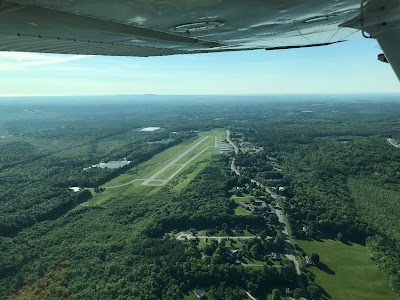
[169, 172]
[130, 182]
[240, 211]
[244, 199]
[190, 296]
[350, 273]
[186, 177]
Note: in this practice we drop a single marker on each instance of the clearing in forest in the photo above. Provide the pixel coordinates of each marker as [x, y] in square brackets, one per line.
[150, 176]
[347, 271]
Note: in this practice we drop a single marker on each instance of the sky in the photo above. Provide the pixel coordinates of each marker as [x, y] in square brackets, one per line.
[345, 68]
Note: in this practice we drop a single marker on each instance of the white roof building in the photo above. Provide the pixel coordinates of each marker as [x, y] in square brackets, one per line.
[150, 129]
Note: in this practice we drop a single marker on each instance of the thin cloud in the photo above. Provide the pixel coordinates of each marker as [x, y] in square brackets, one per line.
[20, 60]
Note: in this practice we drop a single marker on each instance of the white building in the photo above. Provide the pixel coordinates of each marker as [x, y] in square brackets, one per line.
[151, 129]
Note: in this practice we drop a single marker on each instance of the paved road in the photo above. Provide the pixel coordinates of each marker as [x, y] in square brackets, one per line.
[117, 186]
[250, 296]
[154, 176]
[289, 246]
[228, 138]
[233, 167]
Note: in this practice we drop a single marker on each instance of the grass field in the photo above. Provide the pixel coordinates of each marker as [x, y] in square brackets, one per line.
[169, 172]
[190, 296]
[130, 183]
[351, 274]
[186, 178]
[244, 199]
[240, 211]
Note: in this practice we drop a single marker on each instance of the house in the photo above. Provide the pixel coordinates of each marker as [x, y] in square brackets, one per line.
[175, 231]
[234, 252]
[192, 230]
[274, 256]
[308, 260]
[282, 189]
[259, 202]
[198, 293]
[75, 189]
[271, 209]
[245, 206]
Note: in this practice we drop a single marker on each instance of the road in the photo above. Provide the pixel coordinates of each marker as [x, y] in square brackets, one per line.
[289, 246]
[166, 167]
[228, 138]
[250, 296]
[120, 185]
[233, 167]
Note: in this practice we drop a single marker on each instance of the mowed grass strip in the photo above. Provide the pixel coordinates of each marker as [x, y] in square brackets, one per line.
[209, 142]
[130, 183]
[153, 165]
[187, 178]
[200, 162]
[355, 276]
[240, 211]
[169, 172]
[244, 199]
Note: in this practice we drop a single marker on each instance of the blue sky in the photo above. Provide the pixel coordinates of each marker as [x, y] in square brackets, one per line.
[349, 67]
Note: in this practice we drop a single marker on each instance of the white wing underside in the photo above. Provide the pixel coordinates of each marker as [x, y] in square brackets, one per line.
[168, 27]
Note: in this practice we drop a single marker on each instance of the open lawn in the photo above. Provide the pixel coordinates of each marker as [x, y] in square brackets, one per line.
[240, 211]
[190, 296]
[245, 199]
[133, 189]
[349, 272]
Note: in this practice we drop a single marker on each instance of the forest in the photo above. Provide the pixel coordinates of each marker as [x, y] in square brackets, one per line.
[340, 179]
[340, 173]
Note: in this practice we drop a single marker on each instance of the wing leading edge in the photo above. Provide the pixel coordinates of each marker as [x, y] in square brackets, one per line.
[159, 27]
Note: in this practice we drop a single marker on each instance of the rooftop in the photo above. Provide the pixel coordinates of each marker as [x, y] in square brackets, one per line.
[151, 129]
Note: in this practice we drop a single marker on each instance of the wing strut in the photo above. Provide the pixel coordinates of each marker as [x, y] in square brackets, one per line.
[381, 19]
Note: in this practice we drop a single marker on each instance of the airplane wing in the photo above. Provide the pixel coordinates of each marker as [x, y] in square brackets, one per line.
[169, 27]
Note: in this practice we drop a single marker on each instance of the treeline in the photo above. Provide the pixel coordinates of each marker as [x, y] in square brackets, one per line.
[32, 191]
[44, 156]
[205, 203]
[119, 252]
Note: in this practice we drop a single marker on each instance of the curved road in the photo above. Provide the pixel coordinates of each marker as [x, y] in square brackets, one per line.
[117, 186]
[289, 246]
[228, 138]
